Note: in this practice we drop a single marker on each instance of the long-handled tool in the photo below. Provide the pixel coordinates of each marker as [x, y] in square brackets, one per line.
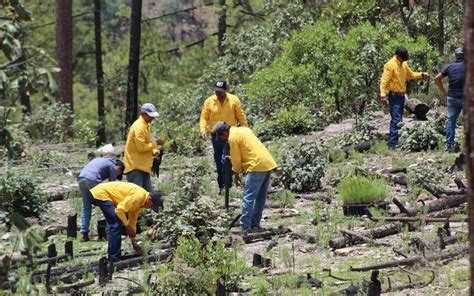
[227, 181]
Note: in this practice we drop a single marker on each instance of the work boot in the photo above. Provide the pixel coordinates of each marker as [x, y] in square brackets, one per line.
[85, 237]
[451, 149]
[221, 191]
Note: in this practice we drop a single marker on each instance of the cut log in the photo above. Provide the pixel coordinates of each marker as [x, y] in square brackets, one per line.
[434, 206]
[401, 207]
[414, 219]
[75, 286]
[448, 212]
[395, 171]
[377, 232]
[264, 235]
[460, 183]
[413, 260]
[363, 238]
[418, 108]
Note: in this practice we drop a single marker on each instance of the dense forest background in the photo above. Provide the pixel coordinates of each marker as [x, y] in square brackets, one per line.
[296, 65]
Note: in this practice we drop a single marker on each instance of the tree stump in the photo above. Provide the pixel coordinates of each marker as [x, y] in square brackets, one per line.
[418, 108]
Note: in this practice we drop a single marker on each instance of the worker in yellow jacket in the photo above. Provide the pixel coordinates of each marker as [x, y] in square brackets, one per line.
[222, 106]
[140, 148]
[121, 203]
[249, 155]
[393, 86]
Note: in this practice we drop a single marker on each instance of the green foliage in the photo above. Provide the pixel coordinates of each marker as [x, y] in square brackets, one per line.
[197, 267]
[380, 148]
[20, 194]
[304, 167]
[191, 213]
[84, 133]
[50, 123]
[362, 190]
[360, 133]
[182, 139]
[333, 72]
[293, 120]
[422, 136]
[285, 198]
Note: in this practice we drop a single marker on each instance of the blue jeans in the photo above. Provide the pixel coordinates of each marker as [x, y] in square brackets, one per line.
[85, 185]
[140, 178]
[454, 109]
[255, 196]
[115, 228]
[397, 103]
[220, 151]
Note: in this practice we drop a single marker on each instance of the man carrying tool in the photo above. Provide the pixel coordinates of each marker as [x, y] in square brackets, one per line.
[140, 149]
[121, 203]
[249, 155]
[393, 89]
[96, 171]
[222, 106]
[456, 73]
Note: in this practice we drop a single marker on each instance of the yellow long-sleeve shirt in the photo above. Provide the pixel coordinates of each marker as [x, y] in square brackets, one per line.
[139, 149]
[213, 111]
[394, 77]
[247, 153]
[128, 198]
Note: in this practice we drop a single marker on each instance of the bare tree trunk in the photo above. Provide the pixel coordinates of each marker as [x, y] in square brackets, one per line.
[469, 122]
[133, 64]
[222, 26]
[64, 50]
[99, 73]
[441, 26]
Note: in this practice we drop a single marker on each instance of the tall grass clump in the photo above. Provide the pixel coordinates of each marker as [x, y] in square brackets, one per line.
[362, 190]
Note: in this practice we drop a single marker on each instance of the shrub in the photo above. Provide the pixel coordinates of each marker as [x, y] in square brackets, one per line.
[182, 139]
[50, 123]
[362, 190]
[20, 193]
[197, 267]
[422, 136]
[84, 133]
[304, 167]
[293, 120]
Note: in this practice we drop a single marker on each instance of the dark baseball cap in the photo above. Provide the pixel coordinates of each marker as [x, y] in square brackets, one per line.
[220, 86]
[220, 127]
[157, 200]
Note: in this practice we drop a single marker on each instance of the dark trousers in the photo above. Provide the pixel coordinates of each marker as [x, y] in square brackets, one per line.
[397, 103]
[220, 151]
[115, 228]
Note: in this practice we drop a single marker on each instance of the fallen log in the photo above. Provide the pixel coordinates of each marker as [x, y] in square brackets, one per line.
[75, 286]
[401, 207]
[395, 171]
[413, 260]
[447, 212]
[414, 219]
[264, 235]
[396, 179]
[460, 183]
[314, 197]
[363, 238]
[434, 206]
[377, 232]
[418, 108]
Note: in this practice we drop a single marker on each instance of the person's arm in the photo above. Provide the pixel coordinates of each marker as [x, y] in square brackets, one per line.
[386, 77]
[439, 83]
[235, 157]
[239, 114]
[143, 144]
[204, 119]
[411, 75]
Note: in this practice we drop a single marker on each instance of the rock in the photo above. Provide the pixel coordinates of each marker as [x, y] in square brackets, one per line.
[345, 251]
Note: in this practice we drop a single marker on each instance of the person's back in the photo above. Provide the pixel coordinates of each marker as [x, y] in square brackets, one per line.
[99, 169]
[456, 73]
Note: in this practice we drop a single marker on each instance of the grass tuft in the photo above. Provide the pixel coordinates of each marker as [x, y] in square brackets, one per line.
[362, 190]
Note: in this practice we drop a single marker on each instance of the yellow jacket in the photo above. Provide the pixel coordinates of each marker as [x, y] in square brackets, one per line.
[128, 198]
[139, 149]
[394, 77]
[247, 153]
[229, 112]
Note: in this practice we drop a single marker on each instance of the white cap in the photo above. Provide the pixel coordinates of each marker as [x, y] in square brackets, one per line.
[149, 109]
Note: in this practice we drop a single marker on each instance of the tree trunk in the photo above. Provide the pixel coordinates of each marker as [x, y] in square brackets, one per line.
[64, 50]
[469, 121]
[222, 26]
[441, 27]
[99, 74]
[133, 64]
[418, 108]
